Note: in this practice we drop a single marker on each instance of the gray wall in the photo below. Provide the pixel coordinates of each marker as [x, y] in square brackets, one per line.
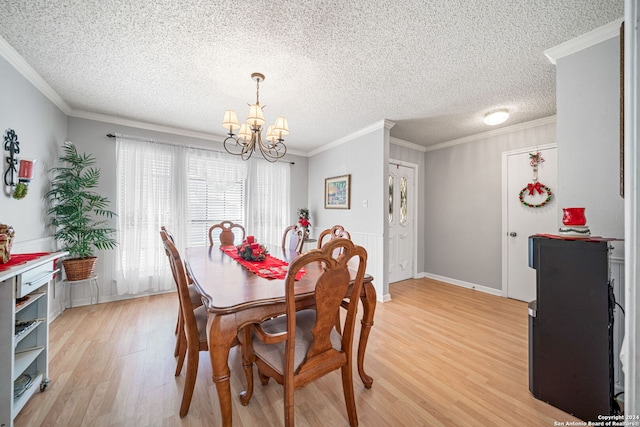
[588, 137]
[463, 205]
[39, 125]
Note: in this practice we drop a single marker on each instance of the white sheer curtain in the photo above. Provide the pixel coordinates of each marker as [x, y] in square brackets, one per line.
[268, 200]
[187, 190]
[149, 196]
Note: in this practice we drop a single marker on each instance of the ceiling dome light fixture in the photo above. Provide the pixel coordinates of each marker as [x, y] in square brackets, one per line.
[496, 117]
[249, 136]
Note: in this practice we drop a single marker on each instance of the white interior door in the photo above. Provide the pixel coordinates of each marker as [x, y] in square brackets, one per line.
[518, 279]
[401, 222]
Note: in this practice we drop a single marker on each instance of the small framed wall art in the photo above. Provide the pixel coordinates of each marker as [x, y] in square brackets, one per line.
[337, 192]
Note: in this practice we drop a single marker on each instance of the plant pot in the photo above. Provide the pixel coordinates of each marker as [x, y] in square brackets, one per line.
[79, 268]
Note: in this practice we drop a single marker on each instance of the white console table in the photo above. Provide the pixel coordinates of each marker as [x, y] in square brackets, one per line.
[24, 332]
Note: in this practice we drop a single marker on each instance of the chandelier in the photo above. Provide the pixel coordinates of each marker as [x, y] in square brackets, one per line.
[249, 135]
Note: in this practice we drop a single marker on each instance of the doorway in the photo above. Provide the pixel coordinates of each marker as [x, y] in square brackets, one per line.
[402, 198]
[526, 217]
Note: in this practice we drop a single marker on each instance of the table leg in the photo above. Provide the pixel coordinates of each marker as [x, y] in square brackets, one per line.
[222, 334]
[248, 359]
[368, 298]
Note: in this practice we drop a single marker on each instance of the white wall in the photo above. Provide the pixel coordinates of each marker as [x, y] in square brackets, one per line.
[588, 115]
[632, 209]
[364, 157]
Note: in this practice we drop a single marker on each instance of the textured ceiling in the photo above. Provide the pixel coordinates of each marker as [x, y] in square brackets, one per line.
[332, 67]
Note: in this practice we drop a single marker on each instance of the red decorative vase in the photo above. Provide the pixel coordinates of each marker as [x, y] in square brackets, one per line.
[573, 216]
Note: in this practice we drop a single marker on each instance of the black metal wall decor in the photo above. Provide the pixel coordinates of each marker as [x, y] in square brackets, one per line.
[12, 145]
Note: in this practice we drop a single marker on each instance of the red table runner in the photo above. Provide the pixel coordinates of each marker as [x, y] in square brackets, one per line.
[17, 259]
[270, 268]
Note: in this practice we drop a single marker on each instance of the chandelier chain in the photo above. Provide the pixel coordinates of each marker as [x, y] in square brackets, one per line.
[258, 91]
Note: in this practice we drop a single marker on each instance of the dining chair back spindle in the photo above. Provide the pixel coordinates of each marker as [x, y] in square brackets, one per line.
[293, 238]
[305, 345]
[227, 236]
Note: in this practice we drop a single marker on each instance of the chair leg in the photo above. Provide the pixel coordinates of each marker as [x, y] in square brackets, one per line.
[264, 379]
[179, 329]
[349, 397]
[190, 379]
[178, 321]
[248, 358]
[289, 407]
[181, 345]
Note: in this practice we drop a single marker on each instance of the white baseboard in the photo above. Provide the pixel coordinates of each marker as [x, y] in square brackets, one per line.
[463, 284]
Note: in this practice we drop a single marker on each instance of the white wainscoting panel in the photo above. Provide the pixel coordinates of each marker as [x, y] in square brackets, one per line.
[373, 243]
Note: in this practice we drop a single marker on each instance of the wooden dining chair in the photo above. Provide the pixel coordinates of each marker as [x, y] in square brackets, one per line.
[227, 237]
[305, 345]
[332, 233]
[293, 238]
[194, 324]
[196, 301]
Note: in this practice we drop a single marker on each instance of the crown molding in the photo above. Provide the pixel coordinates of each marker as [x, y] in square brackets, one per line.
[495, 132]
[407, 144]
[143, 125]
[382, 124]
[584, 41]
[13, 57]
[156, 128]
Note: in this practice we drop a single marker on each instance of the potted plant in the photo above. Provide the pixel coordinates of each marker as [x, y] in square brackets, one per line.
[303, 220]
[76, 211]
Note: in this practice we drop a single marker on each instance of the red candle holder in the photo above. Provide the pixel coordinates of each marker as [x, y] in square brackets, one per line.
[573, 216]
[26, 171]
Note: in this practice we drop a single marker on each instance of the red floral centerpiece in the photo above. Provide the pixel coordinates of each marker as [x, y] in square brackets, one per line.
[250, 250]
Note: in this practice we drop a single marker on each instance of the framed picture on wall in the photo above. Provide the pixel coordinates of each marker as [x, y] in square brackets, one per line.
[337, 192]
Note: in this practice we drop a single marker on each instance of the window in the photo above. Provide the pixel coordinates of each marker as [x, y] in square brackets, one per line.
[188, 190]
[212, 197]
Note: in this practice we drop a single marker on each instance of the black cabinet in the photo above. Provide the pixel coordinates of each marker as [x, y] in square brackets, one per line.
[570, 326]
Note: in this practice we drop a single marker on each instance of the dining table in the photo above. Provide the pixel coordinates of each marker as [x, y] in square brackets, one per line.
[236, 297]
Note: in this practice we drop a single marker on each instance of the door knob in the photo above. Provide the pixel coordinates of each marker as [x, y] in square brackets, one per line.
[513, 234]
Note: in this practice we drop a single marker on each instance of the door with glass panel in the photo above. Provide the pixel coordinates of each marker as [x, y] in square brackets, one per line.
[401, 206]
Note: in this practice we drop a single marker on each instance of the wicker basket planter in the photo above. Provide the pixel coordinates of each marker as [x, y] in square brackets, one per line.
[79, 268]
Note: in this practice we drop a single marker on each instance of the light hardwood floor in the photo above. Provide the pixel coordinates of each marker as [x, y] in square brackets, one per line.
[440, 355]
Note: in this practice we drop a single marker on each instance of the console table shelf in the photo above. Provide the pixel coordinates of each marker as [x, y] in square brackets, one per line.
[24, 331]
